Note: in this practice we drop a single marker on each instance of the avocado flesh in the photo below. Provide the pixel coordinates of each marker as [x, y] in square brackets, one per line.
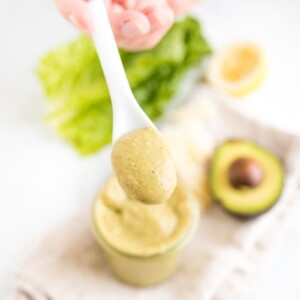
[246, 201]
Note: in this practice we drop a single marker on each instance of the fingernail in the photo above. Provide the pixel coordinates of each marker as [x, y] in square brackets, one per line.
[129, 29]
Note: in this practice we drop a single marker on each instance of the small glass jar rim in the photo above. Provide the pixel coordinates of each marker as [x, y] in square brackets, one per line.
[181, 242]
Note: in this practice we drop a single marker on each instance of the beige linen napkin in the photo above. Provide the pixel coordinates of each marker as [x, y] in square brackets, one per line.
[225, 252]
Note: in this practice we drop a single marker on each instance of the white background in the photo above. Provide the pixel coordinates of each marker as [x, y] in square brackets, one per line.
[42, 180]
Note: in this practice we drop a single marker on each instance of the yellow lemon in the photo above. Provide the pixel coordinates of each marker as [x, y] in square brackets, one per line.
[238, 69]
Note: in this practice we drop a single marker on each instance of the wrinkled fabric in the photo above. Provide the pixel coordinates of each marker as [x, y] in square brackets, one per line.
[225, 252]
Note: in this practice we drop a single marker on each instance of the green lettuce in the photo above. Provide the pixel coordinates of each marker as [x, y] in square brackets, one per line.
[77, 96]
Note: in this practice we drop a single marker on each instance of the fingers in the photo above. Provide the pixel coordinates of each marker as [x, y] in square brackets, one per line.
[142, 29]
[130, 24]
[137, 24]
[143, 42]
[127, 4]
[77, 12]
[181, 6]
[158, 15]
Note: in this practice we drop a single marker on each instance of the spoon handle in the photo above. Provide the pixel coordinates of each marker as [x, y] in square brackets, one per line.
[127, 114]
[108, 51]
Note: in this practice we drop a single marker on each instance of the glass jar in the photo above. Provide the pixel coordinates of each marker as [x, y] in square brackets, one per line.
[143, 270]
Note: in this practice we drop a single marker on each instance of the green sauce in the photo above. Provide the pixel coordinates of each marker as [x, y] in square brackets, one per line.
[144, 167]
[133, 228]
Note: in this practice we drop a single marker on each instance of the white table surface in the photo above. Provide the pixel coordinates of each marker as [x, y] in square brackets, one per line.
[42, 180]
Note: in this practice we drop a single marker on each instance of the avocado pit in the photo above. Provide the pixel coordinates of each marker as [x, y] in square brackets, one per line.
[245, 172]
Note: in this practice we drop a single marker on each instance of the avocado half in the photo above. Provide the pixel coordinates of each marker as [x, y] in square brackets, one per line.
[245, 178]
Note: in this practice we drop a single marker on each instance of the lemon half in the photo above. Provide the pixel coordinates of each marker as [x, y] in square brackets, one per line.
[238, 69]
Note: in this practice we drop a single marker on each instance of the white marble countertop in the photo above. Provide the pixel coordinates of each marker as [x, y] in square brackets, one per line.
[42, 180]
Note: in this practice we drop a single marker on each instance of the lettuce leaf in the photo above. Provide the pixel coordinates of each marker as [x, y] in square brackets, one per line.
[77, 96]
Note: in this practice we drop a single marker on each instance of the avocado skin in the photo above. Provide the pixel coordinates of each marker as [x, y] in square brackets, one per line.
[242, 215]
[245, 217]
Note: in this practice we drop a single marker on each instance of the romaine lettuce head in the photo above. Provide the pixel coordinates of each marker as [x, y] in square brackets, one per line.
[77, 96]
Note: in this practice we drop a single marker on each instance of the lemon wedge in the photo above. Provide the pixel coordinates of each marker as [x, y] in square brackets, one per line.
[238, 69]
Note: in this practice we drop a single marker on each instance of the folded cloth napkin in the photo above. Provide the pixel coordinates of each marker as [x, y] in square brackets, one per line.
[222, 257]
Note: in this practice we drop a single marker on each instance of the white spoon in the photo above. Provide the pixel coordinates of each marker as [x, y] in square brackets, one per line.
[127, 114]
[141, 161]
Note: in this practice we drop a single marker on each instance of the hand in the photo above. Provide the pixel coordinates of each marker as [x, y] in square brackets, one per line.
[137, 24]
[181, 6]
